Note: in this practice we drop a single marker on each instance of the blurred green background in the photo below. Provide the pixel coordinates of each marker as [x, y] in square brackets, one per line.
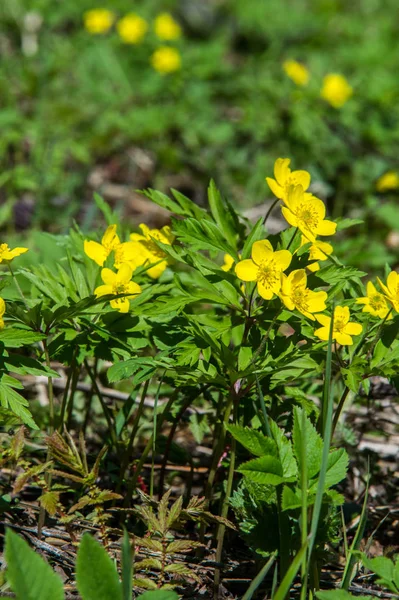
[84, 111]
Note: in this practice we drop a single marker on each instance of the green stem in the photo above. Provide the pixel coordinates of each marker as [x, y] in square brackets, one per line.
[339, 408]
[66, 391]
[269, 212]
[284, 534]
[265, 338]
[225, 508]
[292, 238]
[128, 452]
[378, 334]
[18, 286]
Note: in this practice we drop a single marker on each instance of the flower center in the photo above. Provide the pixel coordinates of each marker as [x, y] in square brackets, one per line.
[339, 324]
[300, 298]
[377, 302]
[268, 274]
[308, 216]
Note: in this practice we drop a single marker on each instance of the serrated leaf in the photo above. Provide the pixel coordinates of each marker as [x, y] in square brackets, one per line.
[266, 470]
[174, 512]
[254, 441]
[220, 214]
[49, 501]
[96, 575]
[202, 235]
[313, 444]
[16, 338]
[285, 453]
[182, 571]
[9, 398]
[149, 563]
[31, 578]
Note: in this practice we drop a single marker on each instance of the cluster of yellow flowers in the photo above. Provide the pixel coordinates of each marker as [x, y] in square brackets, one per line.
[132, 29]
[6, 256]
[335, 89]
[140, 251]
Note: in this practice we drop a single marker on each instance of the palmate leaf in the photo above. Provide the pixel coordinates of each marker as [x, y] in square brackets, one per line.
[254, 441]
[285, 453]
[31, 578]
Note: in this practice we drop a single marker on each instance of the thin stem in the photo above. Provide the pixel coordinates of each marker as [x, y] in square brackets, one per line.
[339, 408]
[265, 338]
[135, 426]
[263, 407]
[66, 391]
[107, 414]
[269, 212]
[225, 508]
[292, 239]
[154, 439]
[18, 286]
[378, 334]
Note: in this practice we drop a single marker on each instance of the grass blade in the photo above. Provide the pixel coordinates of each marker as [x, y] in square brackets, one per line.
[260, 577]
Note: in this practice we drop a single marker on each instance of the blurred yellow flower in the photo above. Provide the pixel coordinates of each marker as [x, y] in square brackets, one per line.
[317, 251]
[307, 213]
[98, 20]
[118, 283]
[132, 28]
[265, 267]
[166, 28]
[147, 251]
[6, 254]
[374, 303]
[343, 329]
[336, 90]
[166, 60]
[391, 289]
[295, 294]
[2, 311]
[285, 178]
[388, 181]
[296, 71]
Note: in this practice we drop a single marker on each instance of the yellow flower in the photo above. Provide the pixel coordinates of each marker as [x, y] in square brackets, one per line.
[100, 252]
[118, 283]
[317, 251]
[296, 71]
[147, 250]
[285, 178]
[336, 90]
[374, 302]
[2, 311]
[265, 267]
[132, 28]
[343, 329]
[391, 289]
[388, 181]
[166, 27]
[228, 262]
[307, 213]
[166, 60]
[296, 295]
[7, 254]
[98, 20]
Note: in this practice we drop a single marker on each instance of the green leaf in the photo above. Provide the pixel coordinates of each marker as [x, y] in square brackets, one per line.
[15, 338]
[244, 357]
[257, 233]
[96, 575]
[9, 398]
[220, 214]
[109, 216]
[266, 470]
[254, 441]
[31, 578]
[127, 570]
[313, 442]
[381, 566]
[291, 499]
[338, 595]
[284, 446]
[159, 595]
[202, 235]
[338, 273]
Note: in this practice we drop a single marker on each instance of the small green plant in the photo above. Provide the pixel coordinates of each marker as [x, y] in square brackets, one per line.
[31, 578]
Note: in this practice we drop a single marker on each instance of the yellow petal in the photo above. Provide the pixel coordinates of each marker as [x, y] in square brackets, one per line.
[261, 250]
[341, 313]
[324, 320]
[282, 170]
[2, 307]
[353, 328]
[137, 237]
[265, 292]
[124, 274]
[322, 333]
[110, 238]
[298, 278]
[314, 267]
[103, 290]
[289, 216]
[326, 228]
[383, 287]
[108, 277]
[246, 270]
[157, 270]
[393, 282]
[300, 178]
[228, 262]
[96, 252]
[283, 259]
[1, 323]
[133, 288]
[371, 289]
[287, 301]
[146, 230]
[276, 189]
[343, 338]
[121, 304]
[317, 301]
